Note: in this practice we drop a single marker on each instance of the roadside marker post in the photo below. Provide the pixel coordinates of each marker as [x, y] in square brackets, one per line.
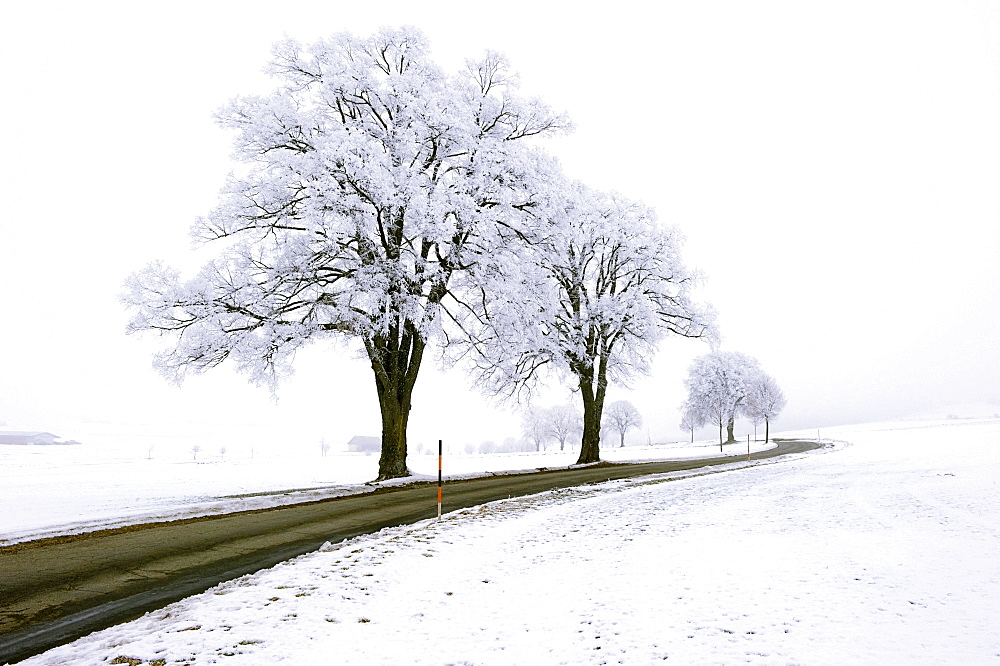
[748, 446]
[440, 457]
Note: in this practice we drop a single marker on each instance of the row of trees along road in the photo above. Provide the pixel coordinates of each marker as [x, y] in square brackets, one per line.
[723, 385]
[559, 423]
[382, 200]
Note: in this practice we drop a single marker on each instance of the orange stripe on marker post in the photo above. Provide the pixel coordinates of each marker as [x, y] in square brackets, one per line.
[440, 457]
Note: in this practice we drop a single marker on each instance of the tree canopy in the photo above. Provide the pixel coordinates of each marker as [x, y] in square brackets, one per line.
[380, 200]
[370, 186]
[591, 296]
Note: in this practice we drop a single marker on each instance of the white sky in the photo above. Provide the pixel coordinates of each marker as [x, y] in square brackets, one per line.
[833, 165]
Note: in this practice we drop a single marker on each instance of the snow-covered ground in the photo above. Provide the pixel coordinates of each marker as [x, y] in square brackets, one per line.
[52, 490]
[883, 549]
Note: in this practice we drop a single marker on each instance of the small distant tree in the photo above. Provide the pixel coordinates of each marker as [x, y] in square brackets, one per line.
[149, 451]
[535, 426]
[692, 418]
[564, 421]
[764, 401]
[606, 431]
[755, 420]
[324, 446]
[622, 416]
[195, 450]
[222, 452]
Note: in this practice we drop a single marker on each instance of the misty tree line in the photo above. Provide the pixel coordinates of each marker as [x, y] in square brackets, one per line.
[380, 200]
[560, 424]
[725, 384]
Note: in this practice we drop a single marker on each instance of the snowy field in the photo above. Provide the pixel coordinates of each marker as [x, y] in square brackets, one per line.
[114, 480]
[882, 549]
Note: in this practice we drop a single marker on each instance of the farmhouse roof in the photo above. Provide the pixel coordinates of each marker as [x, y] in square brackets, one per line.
[362, 443]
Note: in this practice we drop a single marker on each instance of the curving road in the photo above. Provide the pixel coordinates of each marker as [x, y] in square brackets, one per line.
[53, 591]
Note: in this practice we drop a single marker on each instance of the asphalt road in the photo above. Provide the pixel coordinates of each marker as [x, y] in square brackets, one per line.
[53, 591]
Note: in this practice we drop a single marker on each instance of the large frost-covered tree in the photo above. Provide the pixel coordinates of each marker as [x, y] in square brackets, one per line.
[717, 385]
[369, 183]
[764, 401]
[622, 416]
[591, 298]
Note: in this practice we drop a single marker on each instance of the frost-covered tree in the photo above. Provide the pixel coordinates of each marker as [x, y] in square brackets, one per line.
[590, 299]
[764, 401]
[563, 422]
[535, 426]
[370, 185]
[717, 385]
[692, 418]
[622, 416]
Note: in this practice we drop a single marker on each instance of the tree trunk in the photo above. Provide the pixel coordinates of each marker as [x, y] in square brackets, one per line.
[692, 435]
[729, 430]
[767, 431]
[590, 446]
[395, 415]
[621, 441]
[593, 408]
[395, 359]
[720, 436]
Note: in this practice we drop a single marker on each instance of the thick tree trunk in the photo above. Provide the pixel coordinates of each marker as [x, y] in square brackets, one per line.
[621, 440]
[593, 409]
[395, 415]
[590, 447]
[729, 431]
[395, 360]
[767, 431]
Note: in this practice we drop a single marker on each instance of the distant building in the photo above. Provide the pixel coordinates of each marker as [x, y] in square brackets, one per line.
[361, 444]
[32, 437]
